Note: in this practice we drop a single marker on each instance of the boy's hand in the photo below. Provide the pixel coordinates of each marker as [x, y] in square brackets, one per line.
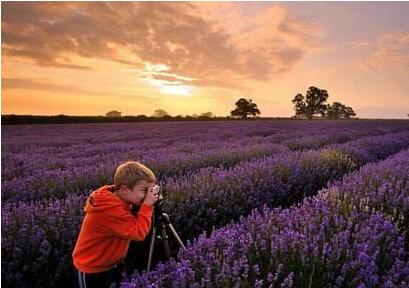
[150, 198]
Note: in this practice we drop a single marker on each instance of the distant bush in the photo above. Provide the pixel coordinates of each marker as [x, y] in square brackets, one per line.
[63, 119]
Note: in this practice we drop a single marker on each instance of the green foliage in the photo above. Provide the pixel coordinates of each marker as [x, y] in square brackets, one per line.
[339, 111]
[314, 103]
[244, 108]
[159, 113]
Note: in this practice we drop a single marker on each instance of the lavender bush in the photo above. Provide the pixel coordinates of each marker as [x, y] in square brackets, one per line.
[56, 234]
[213, 197]
[195, 162]
[335, 239]
[382, 187]
[55, 169]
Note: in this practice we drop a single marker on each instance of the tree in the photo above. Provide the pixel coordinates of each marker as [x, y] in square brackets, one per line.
[244, 108]
[159, 113]
[299, 105]
[206, 115]
[339, 111]
[312, 104]
[113, 113]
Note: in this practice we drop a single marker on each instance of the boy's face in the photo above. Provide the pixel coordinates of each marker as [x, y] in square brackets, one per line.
[137, 194]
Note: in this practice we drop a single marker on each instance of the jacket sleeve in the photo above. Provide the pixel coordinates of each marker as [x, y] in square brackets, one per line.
[126, 225]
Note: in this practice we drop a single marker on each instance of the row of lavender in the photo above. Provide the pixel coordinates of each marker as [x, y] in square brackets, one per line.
[20, 164]
[214, 196]
[49, 138]
[43, 175]
[37, 242]
[39, 161]
[351, 235]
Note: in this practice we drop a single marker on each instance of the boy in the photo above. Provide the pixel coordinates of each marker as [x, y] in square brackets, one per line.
[109, 226]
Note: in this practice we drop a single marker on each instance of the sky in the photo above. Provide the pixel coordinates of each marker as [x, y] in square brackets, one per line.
[88, 58]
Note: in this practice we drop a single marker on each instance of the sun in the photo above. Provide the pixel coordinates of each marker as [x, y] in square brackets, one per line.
[168, 83]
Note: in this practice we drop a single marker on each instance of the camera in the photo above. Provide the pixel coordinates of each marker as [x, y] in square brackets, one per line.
[156, 189]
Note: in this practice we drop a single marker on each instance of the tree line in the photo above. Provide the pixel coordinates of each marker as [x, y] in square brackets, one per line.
[312, 105]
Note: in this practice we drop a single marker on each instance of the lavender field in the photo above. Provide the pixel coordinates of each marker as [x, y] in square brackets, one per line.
[259, 203]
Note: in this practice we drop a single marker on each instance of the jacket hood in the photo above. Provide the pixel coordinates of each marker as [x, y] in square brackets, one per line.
[104, 199]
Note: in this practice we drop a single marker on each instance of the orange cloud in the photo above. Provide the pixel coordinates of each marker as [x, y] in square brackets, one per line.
[176, 34]
[29, 84]
[389, 50]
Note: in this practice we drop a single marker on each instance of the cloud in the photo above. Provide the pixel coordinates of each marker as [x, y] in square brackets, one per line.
[359, 44]
[222, 48]
[389, 50]
[43, 85]
[29, 84]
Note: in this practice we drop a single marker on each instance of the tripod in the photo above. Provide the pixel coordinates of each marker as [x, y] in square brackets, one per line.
[160, 221]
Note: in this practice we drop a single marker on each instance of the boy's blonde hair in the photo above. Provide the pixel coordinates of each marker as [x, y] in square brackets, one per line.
[130, 172]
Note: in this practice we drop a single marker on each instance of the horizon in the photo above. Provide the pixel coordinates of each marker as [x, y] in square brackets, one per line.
[209, 118]
[78, 59]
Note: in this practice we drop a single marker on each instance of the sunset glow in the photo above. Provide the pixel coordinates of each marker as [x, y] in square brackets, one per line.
[87, 58]
[152, 72]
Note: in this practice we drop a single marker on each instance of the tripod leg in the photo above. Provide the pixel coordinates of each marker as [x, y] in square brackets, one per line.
[165, 239]
[175, 234]
[151, 248]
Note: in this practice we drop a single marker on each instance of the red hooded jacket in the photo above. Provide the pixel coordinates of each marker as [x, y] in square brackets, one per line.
[107, 230]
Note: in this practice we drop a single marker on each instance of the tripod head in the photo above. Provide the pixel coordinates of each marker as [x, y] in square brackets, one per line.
[160, 216]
